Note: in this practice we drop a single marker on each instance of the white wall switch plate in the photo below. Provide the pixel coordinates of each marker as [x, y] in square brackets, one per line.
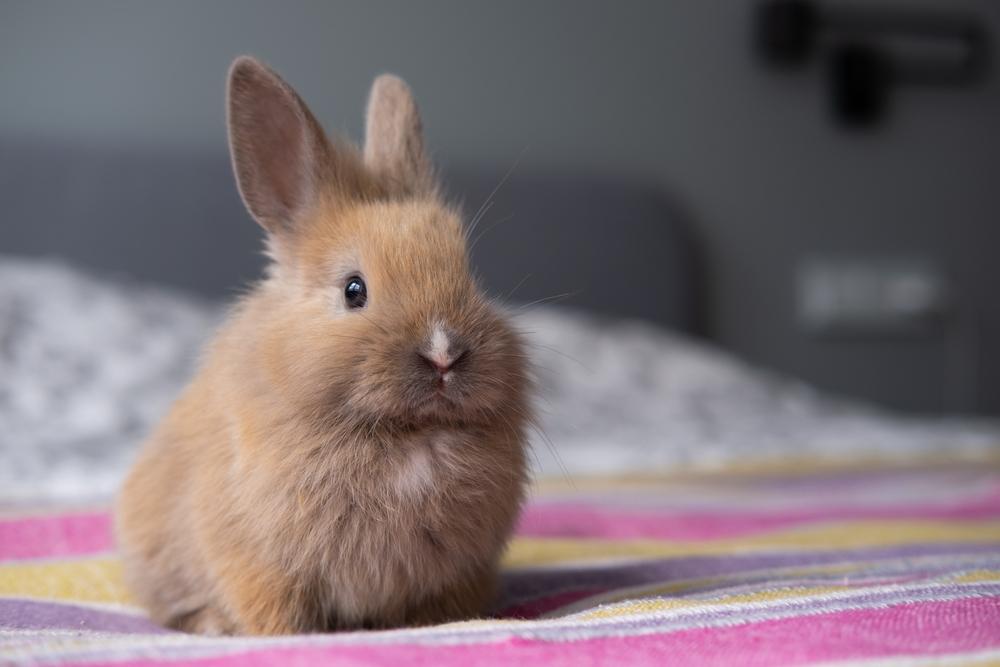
[877, 296]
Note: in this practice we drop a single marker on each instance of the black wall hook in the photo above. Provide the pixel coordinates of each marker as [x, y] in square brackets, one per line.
[870, 50]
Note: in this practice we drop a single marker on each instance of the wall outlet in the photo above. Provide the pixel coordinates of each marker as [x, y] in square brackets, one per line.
[878, 296]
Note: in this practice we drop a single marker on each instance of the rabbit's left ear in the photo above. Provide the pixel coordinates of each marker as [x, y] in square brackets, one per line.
[394, 140]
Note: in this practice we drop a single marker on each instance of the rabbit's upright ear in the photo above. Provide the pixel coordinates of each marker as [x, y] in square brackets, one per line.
[280, 154]
[394, 141]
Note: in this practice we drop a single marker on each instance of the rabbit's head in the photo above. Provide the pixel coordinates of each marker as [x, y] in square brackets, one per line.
[374, 316]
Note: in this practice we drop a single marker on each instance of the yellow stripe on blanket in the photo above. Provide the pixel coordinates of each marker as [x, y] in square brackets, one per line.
[644, 606]
[533, 552]
[977, 577]
[82, 580]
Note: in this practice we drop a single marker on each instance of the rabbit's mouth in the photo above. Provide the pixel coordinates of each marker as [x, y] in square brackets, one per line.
[432, 416]
[442, 401]
[446, 401]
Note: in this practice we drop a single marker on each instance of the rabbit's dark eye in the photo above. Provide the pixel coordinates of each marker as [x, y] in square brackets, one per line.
[355, 292]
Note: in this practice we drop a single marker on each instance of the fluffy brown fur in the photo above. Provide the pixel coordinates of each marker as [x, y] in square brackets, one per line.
[319, 473]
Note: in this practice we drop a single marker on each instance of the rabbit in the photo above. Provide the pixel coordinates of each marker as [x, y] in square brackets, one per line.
[351, 451]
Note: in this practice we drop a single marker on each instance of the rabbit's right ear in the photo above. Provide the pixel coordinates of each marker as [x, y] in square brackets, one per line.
[279, 152]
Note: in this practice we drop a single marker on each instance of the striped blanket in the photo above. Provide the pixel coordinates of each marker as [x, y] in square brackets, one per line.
[750, 568]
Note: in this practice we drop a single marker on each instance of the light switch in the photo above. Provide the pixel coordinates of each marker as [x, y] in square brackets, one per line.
[878, 296]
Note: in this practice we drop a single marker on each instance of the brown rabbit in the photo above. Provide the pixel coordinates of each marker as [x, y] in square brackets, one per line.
[351, 452]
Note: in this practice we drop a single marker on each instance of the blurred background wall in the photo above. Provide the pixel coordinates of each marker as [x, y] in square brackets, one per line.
[663, 93]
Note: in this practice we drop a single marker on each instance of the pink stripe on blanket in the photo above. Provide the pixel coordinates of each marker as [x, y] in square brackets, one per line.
[916, 629]
[54, 536]
[591, 520]
[81, 534]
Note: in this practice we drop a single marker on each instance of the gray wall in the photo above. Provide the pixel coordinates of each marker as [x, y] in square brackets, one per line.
[659, 91]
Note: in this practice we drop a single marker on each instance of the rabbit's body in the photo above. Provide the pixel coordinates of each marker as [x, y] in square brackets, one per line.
[335, 465]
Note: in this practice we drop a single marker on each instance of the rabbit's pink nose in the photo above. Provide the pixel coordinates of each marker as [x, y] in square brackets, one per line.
[442, 352]
[441, 365]
[444, 363]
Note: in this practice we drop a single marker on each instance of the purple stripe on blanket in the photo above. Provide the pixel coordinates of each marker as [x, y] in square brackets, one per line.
[38, 615]
[524, 592]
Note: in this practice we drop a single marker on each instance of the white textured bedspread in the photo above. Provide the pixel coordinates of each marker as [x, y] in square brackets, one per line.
[88, 364]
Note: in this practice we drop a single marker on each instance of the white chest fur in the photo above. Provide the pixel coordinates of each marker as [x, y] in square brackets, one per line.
[416, 472]
[423, 464]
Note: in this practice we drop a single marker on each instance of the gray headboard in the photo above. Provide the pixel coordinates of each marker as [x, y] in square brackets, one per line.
[176, 219]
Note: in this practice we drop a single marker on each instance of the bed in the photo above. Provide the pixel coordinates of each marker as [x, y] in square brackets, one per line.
[688, 507]
[740, 518]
